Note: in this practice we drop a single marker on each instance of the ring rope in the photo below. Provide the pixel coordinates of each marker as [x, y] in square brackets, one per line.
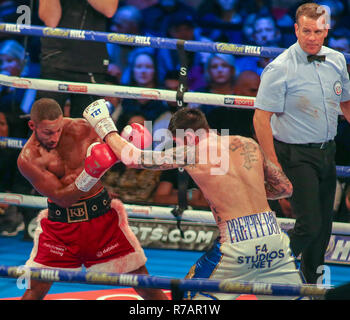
[126, 91]
[143, 41]
[145, 281]
[151, 212]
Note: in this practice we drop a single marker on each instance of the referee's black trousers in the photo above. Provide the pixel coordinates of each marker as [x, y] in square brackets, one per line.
[312, 172]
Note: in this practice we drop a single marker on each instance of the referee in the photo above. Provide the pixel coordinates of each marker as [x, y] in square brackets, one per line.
[300, 96]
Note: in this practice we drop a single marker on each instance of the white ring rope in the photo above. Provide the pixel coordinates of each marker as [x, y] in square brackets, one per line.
[154, 212]
[126, 92]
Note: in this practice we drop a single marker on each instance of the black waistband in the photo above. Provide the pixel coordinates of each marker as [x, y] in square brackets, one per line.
[321, 145]
[83, 210]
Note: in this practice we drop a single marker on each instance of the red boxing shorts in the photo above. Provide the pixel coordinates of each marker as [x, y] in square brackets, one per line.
[104, 244]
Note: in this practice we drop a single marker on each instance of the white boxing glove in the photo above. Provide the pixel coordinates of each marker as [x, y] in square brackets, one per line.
[97, 114]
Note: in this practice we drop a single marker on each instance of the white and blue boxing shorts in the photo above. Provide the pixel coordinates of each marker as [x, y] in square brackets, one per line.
[250, 248]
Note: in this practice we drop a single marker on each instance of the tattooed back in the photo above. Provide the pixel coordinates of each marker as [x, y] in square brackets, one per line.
[233, 184]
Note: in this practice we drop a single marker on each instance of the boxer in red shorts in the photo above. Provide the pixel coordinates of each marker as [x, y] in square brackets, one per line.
[63, 160]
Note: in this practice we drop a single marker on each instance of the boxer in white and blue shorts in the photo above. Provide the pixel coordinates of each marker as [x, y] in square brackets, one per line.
[250, 248]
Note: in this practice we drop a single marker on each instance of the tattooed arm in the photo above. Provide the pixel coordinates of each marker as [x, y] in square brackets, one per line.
[277, 184]
[165, 160]
[153, 160]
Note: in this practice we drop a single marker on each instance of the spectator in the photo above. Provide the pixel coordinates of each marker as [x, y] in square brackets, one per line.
[161, 138]
[280, 11]
[8, 12]
[247, 84]
[250, 10]
[220, 75]
[265, 33]
[239, 121]
[180, 26]
[220, 20]
[11, 220]
[115, 102]
[220, 72]
[129, 184]
[72, 60]
[12, 63]
[255, 7]
[142, 72]
[127, 20]
[336, 11]
[156, 15]
[339, 39]
[141, 4]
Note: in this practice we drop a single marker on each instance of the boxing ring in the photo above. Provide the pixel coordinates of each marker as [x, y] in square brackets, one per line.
[339, 248]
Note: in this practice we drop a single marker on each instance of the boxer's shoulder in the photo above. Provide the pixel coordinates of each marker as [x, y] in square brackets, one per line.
[78, 127]
[30, 150]
[240, 142]
[76, 124]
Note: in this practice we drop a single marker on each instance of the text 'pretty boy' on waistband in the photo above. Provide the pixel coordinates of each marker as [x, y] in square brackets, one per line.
[251, 227]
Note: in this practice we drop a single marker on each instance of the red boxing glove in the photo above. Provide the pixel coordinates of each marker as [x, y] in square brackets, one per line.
[99, 158]
[138, 135]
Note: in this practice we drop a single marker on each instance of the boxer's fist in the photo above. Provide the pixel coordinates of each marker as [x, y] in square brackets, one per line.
[138, 135]
[99, 159]
[97, 114]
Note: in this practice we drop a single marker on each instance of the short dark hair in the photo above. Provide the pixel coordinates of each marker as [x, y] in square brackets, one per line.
[188, 118]
[45, 109]
[310, 10]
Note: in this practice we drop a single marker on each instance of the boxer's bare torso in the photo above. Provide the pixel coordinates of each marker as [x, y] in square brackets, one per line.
[239, 191]
[242, 188]
[52, 161]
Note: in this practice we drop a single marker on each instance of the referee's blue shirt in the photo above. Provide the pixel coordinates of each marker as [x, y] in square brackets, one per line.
[304, 96]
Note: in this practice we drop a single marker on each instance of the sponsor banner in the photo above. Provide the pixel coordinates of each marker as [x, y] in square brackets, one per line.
[15, 143]
[128, 39]
[72, 87]
[21, 83]
[150, 94]
[244, 101]
[163, 234]
[64, 33]
[238, 49]
[12, 28]
[338, 250]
